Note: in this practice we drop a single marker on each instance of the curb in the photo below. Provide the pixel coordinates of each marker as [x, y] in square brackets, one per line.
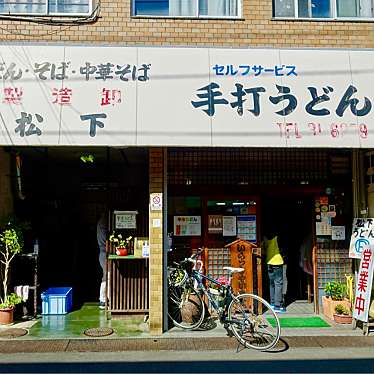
[172, 344]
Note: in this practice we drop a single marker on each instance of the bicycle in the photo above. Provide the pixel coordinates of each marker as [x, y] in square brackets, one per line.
[249, 317]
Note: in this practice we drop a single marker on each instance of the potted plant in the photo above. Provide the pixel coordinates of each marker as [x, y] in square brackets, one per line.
[120, 244]
[10, 244]
[335, 293]
[342, 314]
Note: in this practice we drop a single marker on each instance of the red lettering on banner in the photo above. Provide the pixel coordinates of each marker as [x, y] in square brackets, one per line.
[12, 95]
[363, 281]
[359, 304]
[62, 96]
[110, 97]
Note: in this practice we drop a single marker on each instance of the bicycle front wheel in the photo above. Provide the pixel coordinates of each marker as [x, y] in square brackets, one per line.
[253, 322]
[186, 307]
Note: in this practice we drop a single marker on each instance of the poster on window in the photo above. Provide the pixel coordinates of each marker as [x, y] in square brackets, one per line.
[187, 225]
[125, 219]
[215, 224]
[246, 226]
[229, 225]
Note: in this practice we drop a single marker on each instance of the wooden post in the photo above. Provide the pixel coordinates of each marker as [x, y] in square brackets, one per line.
[259, 271]
[315, 280]
[309, 288]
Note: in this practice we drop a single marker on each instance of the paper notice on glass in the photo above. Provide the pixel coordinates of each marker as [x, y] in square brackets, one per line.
[187, 225]
[214, 224]
[229, 225]
[338, 232]
[323, 228]
[246, 226]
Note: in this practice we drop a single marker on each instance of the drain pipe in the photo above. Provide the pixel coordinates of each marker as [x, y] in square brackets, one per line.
[20, 194]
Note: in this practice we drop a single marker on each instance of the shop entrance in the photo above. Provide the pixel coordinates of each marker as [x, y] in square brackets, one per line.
[65, 191]
[293, 218]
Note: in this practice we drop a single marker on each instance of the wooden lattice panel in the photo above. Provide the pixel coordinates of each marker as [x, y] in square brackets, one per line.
[233, 166]
[215, 260]
[332, 265]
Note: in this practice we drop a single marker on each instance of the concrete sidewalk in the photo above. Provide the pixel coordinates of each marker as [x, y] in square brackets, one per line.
[179, 340]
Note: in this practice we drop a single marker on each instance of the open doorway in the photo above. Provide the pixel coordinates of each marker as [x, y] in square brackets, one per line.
[65, 191]
[293, 217]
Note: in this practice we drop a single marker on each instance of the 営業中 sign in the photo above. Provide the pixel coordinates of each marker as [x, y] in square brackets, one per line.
[364, 285]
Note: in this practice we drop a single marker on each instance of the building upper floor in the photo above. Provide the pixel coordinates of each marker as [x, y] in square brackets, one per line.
[228, 23]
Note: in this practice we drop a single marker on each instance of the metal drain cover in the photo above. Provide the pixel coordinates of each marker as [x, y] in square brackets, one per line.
[99, 331]
[12, 333]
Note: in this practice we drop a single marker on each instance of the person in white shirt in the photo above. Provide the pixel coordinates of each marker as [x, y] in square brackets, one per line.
[102, 235]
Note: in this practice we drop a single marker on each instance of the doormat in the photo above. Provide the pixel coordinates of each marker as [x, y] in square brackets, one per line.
[290, 322]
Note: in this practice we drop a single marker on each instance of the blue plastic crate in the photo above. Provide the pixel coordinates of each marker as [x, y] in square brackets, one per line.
[57, 300]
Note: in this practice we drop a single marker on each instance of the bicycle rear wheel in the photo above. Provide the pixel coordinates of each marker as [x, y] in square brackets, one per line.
[253, 322]
[185, 307]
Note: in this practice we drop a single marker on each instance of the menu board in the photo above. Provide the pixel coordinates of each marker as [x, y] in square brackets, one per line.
[246, 226]
[125, 219]
[187, 225]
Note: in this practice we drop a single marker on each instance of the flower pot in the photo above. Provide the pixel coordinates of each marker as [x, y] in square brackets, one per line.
[6, 316]
[121, 251]
[343, 318]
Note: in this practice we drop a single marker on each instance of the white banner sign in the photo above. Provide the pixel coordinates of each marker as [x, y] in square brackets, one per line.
[159, 96]
[362, 236]
[364, 285]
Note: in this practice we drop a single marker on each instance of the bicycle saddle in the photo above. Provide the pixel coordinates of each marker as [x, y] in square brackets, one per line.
[233, 270]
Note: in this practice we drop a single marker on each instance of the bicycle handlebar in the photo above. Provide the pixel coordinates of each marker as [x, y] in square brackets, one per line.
[191, 258]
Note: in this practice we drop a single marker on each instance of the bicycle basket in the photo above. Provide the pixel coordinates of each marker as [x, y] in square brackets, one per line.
[177, 277]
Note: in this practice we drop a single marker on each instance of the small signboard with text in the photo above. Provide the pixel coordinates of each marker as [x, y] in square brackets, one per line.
[156, 201]
[362, 236]
[125, 219]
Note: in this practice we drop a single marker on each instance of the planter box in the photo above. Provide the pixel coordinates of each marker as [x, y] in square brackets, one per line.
[343, 318]
[328, 306]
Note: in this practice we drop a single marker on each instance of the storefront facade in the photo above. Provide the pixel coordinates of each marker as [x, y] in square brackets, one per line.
[227, 122]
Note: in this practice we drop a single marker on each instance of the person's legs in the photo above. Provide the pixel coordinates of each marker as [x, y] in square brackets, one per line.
[271, 284]
[102, 297]
[278, 286]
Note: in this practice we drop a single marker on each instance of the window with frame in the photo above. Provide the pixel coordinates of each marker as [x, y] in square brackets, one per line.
[334, 9]
[46, 7]
[186, 8]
